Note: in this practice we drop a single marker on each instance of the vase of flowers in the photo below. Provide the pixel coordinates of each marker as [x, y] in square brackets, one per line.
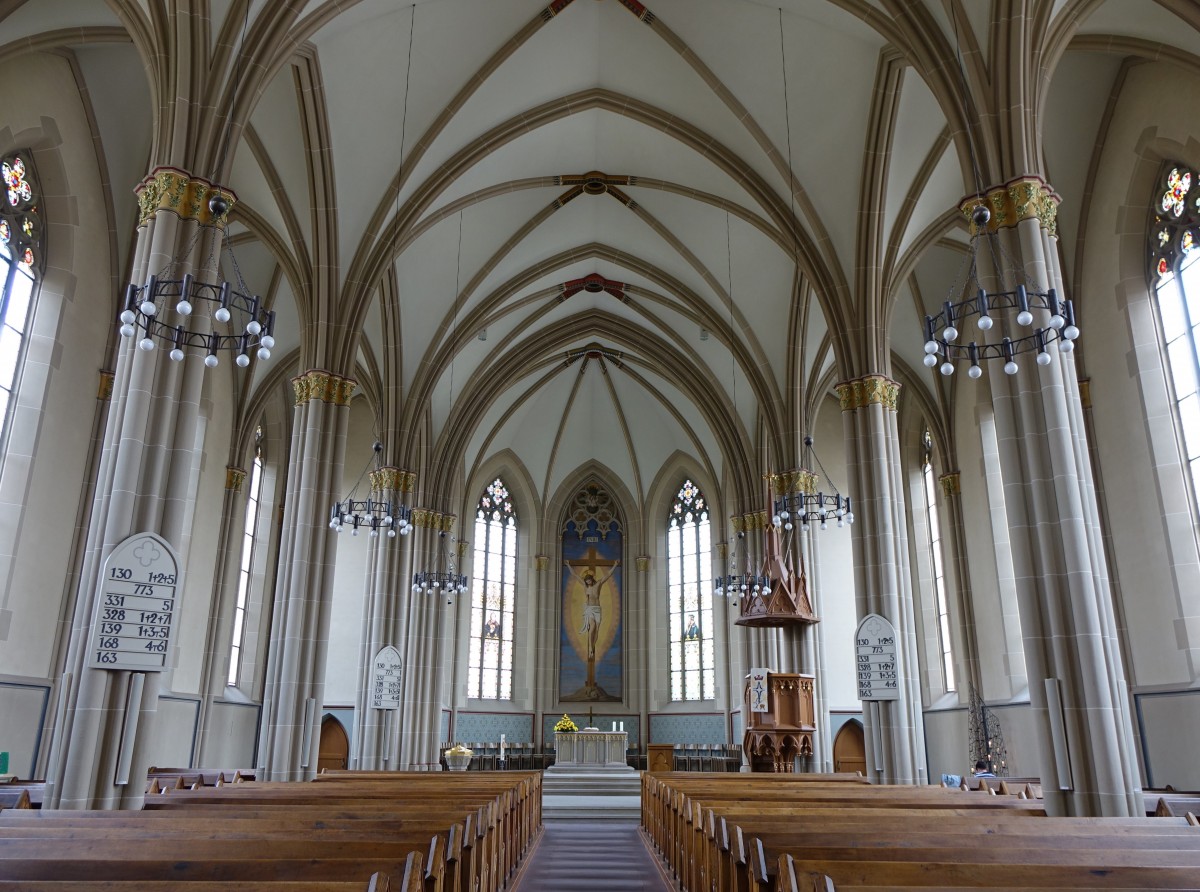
[565, 724]
[458, 757]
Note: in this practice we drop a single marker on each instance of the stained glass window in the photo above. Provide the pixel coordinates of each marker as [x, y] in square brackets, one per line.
[937, 567]
[20, 248]
[1174, 233]
[689, 592]
[249, 536]
[493, 595]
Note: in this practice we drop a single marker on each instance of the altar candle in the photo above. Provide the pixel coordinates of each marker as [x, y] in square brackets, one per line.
[501, 747]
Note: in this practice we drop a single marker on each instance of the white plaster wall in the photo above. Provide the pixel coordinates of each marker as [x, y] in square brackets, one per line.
[232, 735]
[40, 479]
[21, 713]
[946, 743]
[836, 597]
[170, 743]
[1171, 727]
[349, 579]
[1139, 513]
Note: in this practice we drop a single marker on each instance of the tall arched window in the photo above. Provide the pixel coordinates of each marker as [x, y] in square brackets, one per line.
[249, 535]
[1174, 251]
[20, 229]
[689, 584]
[493, 595]
[937, 567]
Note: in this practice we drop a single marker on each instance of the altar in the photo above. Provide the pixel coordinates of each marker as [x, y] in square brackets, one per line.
[591, 749]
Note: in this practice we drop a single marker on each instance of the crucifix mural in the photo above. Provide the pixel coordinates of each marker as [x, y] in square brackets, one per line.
[591, 665]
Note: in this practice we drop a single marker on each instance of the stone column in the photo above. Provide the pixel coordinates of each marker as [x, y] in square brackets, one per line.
[295, 679]
[1076, 672]
[147, 472]
[812, 655]
[895, 730]
[420, 713]
[385, 621]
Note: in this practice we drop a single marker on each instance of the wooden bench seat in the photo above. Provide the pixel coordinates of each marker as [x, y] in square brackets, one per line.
[799, 836]
[416, 832]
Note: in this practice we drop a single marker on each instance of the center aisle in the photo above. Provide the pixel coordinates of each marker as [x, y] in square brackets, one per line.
[604, 857]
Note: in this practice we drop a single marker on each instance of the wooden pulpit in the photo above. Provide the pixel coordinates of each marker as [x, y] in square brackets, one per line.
[774, 738]
[661, 757]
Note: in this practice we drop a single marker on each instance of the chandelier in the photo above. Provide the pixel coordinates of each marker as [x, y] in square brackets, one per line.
[449, 580]
[1024, 319]
[189, 316]
[798, 502]
[740, 584]
[375, 515]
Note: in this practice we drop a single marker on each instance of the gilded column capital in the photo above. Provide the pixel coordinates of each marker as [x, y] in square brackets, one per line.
[393, 479]
[642, 562]
[104, 389]
[867, 390]
[428, 519]
[1025, 198]
[180, 193]
[234, 478]
[722, 550]
[755, 520]
[317, 384]
[1085, 392]
[951, 483]
[795, 480]
[541, 562]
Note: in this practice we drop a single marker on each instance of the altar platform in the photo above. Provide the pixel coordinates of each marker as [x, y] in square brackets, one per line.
[590, 780]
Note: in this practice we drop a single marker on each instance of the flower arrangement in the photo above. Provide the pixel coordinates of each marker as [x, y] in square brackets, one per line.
[565, 724]
[459, 750]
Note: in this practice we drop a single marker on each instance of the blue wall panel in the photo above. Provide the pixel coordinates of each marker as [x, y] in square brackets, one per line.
[486, 727]
[709, 727]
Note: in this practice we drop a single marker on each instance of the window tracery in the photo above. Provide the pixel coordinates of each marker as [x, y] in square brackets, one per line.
[493, 595]
[689, 587]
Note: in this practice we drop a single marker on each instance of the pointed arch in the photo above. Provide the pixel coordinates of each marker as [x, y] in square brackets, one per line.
[690, 594]
[493, 595]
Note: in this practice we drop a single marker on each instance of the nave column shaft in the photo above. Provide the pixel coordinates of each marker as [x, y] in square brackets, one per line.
[376, 738]
[425, 644]
[148, 472]
[295, 680]
[894, 729]
[1076, 673]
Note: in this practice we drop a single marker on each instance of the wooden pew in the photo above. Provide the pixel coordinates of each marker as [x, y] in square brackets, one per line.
[803, 834]
[469, 834]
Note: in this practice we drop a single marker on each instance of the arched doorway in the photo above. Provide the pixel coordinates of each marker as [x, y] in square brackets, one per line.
[335, 745]
[849, 748]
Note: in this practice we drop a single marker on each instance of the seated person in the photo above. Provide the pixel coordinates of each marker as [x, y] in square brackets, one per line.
[981, 769]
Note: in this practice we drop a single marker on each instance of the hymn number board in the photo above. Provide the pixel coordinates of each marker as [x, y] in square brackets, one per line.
[136, 611]
[875, 649]
[386, 672]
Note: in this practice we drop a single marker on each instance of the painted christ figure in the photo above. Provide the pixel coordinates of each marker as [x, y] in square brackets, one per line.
[592, 615]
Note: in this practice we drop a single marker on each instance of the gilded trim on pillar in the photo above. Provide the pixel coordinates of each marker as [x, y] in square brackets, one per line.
[234, 478]
[722, 550]
[463, 547]
[427, 519]
[951, 484]
[180, 193]
[541, 562]
[1085, 392]
[318, 384]
[756, 520]
[394, 479]
[104, 389]
[1025, 198]
[868, 390]
[797, 480]
[642, 562]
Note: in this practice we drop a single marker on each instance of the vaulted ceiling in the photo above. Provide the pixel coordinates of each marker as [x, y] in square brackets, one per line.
[620, 232]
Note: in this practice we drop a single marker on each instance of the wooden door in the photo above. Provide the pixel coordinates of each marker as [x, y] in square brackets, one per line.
[335, 745]
[849, 749]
